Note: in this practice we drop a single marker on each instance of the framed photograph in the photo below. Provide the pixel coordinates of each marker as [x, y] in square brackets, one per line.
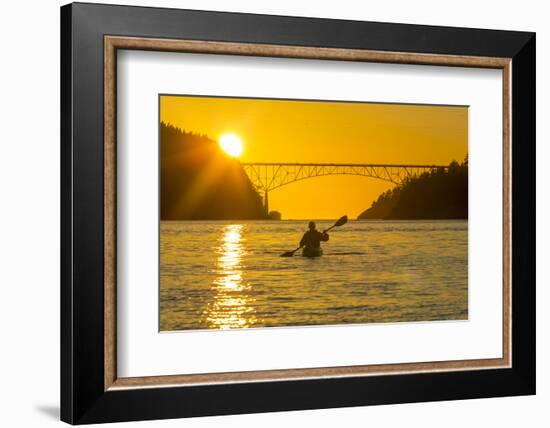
[265, 213]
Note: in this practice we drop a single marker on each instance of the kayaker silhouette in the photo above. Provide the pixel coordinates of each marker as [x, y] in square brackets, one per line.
[311, 241]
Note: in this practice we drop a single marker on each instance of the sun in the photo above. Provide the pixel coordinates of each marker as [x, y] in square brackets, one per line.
[231, 144]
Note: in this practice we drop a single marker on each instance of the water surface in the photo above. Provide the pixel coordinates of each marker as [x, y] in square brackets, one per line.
[219, 275]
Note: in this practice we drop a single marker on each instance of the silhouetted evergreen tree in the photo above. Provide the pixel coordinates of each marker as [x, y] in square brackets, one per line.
[438, 194]
[199, 182]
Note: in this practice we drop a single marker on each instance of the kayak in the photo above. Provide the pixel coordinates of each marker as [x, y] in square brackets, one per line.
[312, 252]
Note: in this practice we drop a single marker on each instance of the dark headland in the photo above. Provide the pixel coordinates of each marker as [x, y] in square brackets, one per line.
[199, 182]
[436, 195]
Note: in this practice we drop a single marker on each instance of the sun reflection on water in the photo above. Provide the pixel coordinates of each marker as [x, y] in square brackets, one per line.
[231, 306]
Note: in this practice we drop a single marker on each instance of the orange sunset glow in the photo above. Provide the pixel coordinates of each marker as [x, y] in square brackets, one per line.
[260, 130]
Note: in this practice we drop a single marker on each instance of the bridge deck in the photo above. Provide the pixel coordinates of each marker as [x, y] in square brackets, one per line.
[375, 165]
[268, 176]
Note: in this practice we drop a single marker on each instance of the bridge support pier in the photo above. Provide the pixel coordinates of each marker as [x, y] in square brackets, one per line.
[266, 203]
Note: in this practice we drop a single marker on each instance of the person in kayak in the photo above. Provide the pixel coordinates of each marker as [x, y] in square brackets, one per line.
[311, 241]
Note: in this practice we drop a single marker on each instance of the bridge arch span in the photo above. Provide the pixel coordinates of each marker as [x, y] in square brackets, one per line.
[270, 176]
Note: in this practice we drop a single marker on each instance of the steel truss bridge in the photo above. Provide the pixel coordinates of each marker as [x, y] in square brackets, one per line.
[266, 176]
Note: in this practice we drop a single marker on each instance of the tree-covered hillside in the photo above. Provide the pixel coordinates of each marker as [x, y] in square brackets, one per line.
[199, 182]
[433, 195]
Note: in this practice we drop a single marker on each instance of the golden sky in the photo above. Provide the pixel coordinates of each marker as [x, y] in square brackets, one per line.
[339, 132]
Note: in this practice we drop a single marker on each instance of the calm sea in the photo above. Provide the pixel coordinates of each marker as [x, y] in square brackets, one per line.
[229, 274]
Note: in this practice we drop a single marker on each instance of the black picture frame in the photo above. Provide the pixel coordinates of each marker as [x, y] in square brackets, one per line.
[83, 398]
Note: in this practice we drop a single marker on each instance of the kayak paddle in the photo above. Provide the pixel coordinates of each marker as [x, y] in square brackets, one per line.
[340, 222]
[291, 253]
